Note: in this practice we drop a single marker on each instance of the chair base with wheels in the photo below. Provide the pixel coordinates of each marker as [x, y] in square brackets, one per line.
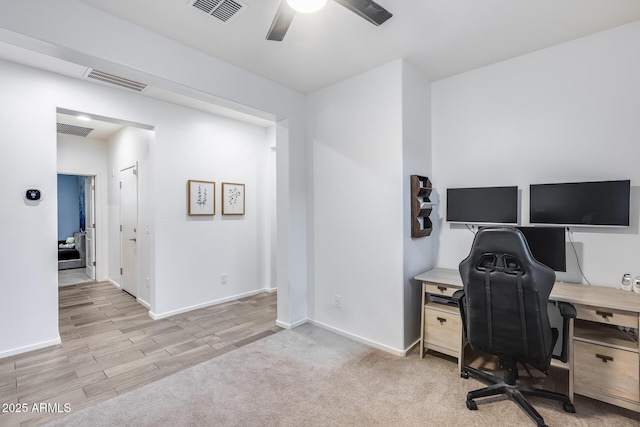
[508, 387]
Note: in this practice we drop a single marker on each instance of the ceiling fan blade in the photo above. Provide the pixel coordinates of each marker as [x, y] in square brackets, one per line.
[369, 10]
[281, 22]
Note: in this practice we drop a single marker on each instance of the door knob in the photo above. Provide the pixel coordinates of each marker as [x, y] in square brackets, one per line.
[133, 240]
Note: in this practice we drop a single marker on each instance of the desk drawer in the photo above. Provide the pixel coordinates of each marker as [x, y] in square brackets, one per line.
[608, 371]
[442, 326]
[440, 289]
[607, 315]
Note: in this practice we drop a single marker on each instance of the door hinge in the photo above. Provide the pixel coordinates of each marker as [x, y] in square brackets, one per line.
[121, 227]
[94, 263]
[135, 172]
[93, 187]
[94, 225]
[121, 271]
[120, 184]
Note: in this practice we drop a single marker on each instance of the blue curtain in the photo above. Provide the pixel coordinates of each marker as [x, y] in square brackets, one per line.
[81, 184]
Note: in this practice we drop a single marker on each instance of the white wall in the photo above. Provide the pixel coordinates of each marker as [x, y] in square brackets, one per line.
[113, 45]
[28, 307]
[369, 133]
[419, 254]
[563, 114]
[268, 221]
[131, 147]
[191, 253]
[88, 156]
[356, 126]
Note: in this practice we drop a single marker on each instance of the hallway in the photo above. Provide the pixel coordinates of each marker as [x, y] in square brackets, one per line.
[110, 345]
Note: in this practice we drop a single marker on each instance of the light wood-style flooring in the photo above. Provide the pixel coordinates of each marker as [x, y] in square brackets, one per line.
[110, 345]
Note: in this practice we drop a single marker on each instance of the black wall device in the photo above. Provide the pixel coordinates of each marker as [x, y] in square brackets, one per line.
[33, 194]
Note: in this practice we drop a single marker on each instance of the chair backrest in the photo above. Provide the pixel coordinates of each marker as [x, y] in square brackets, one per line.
[506, 295]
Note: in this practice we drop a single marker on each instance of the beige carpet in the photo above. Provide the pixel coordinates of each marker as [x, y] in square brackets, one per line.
[312, 377]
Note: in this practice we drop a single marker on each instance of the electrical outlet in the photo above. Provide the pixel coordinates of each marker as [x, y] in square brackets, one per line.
[336, 301]
[223, 278]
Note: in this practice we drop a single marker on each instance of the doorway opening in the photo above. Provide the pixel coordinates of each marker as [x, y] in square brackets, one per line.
[125, 218]
[100, 149]
[76, 226]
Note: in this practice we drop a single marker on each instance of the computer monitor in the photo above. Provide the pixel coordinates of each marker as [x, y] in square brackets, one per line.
[600, 203]
[548, 245]
[483, 205]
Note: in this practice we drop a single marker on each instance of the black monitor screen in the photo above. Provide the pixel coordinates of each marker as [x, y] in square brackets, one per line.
[548, 245]
[580, 203]
[485, 205]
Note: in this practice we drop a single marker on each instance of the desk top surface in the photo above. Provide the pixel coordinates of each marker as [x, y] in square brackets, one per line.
[597, 296]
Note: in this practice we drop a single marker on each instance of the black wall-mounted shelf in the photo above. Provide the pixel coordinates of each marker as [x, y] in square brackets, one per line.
[421, 206]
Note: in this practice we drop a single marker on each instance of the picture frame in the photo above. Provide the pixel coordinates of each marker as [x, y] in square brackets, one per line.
[233, 198]
[201, 199]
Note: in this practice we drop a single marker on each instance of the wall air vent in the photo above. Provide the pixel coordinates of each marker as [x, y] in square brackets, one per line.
[73, 130]
[115, 80]
[223, 10]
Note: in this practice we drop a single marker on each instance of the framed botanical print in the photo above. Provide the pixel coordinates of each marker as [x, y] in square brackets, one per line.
[201, 197]
[232, 198]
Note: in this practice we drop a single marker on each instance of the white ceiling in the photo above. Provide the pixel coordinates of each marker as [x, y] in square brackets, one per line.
[440, 37]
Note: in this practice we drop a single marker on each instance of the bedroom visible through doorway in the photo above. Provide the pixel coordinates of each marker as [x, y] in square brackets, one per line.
[76, 225]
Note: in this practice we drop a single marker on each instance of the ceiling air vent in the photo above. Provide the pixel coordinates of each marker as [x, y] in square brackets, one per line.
[116, 80]
[224, 10]
[73, 130]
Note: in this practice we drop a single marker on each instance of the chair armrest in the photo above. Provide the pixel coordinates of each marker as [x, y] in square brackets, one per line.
[567, 311]
[458, 297]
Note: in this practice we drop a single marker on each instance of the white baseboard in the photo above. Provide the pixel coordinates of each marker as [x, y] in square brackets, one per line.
[366, 341]
[140, 301]
[156, 316]
[31, 347]
[291, 325]
[113, 283]
[271, 290]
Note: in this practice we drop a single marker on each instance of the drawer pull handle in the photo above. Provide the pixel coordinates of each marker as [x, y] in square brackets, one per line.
[441, 320]
[604, 358]
[442, 288]
[604, 314]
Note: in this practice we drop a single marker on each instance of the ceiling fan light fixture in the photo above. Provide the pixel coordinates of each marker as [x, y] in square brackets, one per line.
[306, 6]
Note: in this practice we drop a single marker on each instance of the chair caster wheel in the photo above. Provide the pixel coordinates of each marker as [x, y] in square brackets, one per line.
[568, 407]
[464, 374]
[472, 405]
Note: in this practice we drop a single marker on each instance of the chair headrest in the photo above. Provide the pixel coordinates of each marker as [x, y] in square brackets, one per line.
[504, 249]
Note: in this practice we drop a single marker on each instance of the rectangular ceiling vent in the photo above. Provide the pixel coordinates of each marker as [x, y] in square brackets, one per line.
[73, 130]
[223, 10]
[115, 80]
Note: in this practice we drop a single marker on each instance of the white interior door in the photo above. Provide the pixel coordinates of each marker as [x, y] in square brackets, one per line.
[128, 230]
[90, 226]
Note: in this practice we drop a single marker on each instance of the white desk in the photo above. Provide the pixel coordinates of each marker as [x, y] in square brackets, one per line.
[604, 362]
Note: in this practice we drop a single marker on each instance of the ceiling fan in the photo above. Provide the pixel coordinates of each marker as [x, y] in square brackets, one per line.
[367, 9]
